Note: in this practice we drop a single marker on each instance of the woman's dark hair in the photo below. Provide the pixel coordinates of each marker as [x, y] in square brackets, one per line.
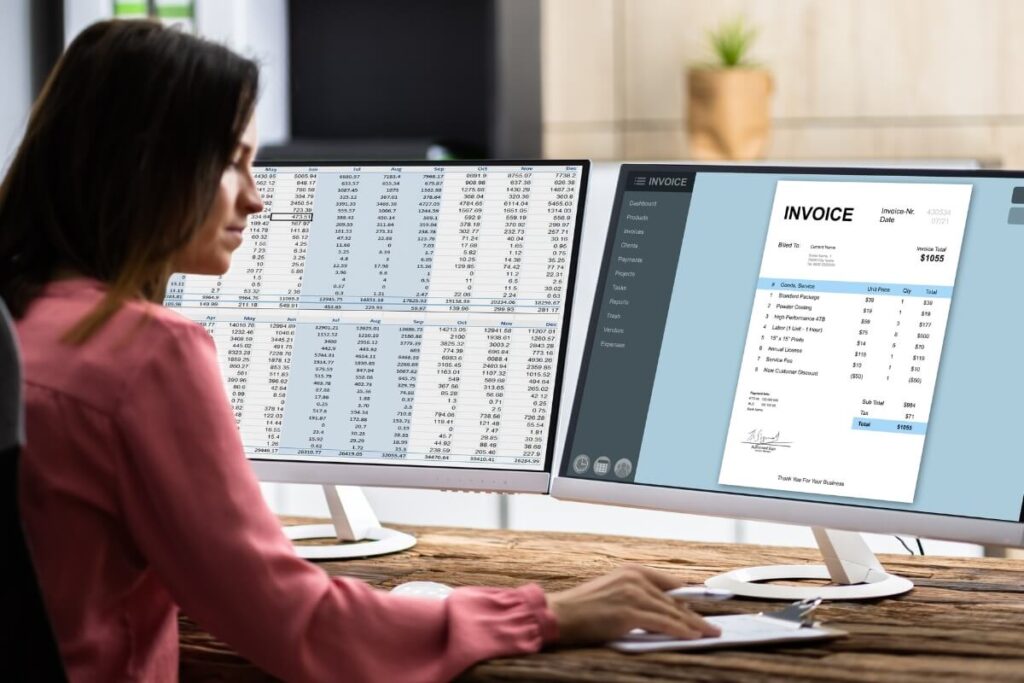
[120, 162]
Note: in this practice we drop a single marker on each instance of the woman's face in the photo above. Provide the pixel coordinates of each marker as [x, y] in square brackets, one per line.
[209, 251]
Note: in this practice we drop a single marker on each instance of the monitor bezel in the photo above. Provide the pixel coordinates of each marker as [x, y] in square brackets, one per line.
[281, 470]
[846, 516]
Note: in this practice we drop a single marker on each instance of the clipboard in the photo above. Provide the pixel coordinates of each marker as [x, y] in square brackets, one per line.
[791, 624]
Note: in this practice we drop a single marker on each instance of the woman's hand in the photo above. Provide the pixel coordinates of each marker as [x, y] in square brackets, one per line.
[631, 597]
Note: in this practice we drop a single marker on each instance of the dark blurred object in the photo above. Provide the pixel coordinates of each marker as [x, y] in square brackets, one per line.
[46, 21]
[31, 652]
[399, 78]
[369, 149]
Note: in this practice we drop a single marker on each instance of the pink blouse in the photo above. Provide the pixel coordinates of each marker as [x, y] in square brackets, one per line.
[137, 498]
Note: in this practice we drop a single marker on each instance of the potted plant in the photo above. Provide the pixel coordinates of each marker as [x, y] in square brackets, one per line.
[728, 112]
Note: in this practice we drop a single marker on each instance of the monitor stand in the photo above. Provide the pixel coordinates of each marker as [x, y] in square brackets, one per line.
[353, 524]
[848, 562]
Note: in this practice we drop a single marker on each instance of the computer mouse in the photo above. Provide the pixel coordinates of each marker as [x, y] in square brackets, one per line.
[423, 589]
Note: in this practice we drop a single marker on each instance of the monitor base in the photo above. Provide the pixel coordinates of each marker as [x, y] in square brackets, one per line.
[848, 562]
[378, 541]
[354, 523]
[743, 582]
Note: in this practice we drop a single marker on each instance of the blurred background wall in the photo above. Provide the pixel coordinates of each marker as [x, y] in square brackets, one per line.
[15, 73]
[855, 79]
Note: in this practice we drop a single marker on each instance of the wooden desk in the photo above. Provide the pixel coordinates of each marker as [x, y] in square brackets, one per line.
[963, 621]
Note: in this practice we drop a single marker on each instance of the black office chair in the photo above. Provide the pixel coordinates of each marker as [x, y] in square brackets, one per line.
[31, 649]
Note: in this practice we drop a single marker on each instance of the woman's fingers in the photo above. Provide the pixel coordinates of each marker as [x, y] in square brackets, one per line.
[656, 604]
[671, 607]
[654, 622]
[632, 597]
[662, 580]
[698, 622]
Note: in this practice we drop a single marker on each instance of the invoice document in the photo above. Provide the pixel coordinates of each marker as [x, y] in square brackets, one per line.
[845, 336]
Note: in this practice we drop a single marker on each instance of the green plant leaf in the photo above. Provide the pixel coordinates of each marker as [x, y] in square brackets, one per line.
[731, 41]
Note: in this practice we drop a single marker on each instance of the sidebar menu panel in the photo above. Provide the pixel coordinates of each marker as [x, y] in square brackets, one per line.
[633, 295]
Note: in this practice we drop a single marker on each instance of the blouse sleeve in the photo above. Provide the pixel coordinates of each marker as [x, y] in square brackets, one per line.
[194, 508]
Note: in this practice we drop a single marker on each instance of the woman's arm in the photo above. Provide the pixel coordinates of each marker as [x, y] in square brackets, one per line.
[195, 510]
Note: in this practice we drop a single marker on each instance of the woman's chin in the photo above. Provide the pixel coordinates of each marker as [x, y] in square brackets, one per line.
[211, 267]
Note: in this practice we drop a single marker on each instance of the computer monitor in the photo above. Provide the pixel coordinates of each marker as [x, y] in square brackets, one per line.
[839, 348]
[398, 324]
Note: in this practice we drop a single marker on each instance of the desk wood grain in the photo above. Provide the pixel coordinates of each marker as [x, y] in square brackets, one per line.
[963, 621]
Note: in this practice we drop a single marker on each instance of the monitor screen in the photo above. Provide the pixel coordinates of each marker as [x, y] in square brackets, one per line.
[401, 314]
[851, 337]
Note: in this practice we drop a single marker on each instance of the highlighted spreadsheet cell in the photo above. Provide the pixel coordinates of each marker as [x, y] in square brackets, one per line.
[291, 216]
[848, 319]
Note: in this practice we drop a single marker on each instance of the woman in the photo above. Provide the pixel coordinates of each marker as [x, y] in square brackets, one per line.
[135, 492]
